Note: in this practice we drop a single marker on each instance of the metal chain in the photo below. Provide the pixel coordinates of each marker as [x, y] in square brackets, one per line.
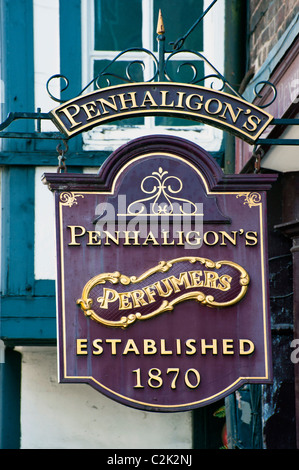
[258, 154]
[61, 158]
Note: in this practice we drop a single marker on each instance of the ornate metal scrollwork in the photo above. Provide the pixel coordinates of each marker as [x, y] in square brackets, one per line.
[197, 79]
[107, 72]
[258, 95]
[160, 67]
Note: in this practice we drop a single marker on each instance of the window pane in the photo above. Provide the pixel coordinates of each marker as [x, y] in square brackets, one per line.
[118, 24]
[112, 77]
[178, 72]
[169, 121]
[185, 71]
[178, 17]
[115, 73]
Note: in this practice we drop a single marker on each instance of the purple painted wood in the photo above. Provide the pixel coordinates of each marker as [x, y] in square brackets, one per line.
[193, 350]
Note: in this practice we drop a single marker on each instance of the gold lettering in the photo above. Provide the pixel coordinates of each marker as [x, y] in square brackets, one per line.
[227, 346]
[150, 238]
[251, 120]
[74, 234]
[181, 95]
[93, 238]
[225, 281]
[215, 235]
[180, 242]
[229, 107]
[128, 238]
[178, 347]
[137, 297]
[149, 346]
[225, 235]
[113, 343]
[70, 116]
[81, 347]
[212, 346]
[195, 278]
[150, 292]
[207, 106]
[164, 99]
[109, 237]
[183, 280]
[98, 348]
[242, 343]
[90, 108]
[197, 239]
[124, 302]
[210, 279]
[104, 103]
[160, 290]
[164, 351]
[109, 295]
[148, 99]
[192, 349]
[131, 100]
[197, 104]
[251, 237]
[165, 239]
[131, 347]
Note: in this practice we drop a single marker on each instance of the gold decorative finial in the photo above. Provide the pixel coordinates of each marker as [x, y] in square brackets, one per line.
[160, 25]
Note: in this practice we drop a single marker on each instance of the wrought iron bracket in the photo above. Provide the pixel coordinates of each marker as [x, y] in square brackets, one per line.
[278, 141]
[161, 61]
[38, 134]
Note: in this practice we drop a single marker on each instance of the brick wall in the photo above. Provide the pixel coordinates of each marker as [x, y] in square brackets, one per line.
[268, 21]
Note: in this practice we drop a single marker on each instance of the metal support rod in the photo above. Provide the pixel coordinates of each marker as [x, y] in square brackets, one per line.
[38, 123]
[161, 47]
[180, 42]
[32, 135]
[13, 116]
[38, 116]
[277, 142]
[285, 122]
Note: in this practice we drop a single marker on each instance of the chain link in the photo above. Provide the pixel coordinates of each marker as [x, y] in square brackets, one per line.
[258, 154]
[61, 158]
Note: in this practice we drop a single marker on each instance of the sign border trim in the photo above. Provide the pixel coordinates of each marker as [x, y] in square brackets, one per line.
[126, 400]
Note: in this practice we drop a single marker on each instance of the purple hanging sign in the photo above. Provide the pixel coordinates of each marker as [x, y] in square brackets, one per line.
[162, 284]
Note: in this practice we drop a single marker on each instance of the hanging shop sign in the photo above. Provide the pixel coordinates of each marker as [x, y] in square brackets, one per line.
[162, 284]
[216, 108]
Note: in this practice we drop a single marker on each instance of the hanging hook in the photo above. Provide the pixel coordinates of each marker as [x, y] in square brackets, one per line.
[258, 154]
[61, 157]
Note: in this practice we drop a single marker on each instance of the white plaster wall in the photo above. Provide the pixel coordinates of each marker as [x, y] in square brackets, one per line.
[46, 54]
[75, 416]
[44, 228]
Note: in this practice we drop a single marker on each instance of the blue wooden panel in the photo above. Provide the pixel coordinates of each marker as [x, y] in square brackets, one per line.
[30, 307]
[27, 306]
[44, 287]
[10, 403]
[70, 54]
[17, 71]
[36, 332]
[75, 160]
[18, 230]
